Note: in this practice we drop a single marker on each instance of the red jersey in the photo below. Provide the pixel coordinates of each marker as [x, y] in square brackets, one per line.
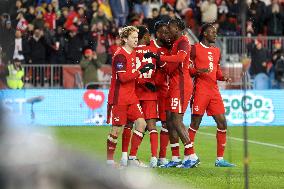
[142, 92]
[180, 79]
[124, 74]
[207, 57]
[161, 77]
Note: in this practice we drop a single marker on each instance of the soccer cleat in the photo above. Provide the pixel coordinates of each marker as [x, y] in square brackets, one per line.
[153, 162]
[172, 164]
[190, 163]
[162, 162]
[123, 162]
[136, 163]
[223, 163]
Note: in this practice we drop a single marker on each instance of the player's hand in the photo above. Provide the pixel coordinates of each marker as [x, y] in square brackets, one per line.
[146, 68]
[151, 86]
[152, 55]
[228, 79]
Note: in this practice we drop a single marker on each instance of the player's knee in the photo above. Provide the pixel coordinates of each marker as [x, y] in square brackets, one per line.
[115, 130]
[140, 125]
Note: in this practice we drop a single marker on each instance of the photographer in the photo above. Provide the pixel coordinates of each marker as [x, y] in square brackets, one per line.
[90, 65]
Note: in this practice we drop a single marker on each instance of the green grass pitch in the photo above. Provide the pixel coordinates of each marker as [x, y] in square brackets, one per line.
[266, 156]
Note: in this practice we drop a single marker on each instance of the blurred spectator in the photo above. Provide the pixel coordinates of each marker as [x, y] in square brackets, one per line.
[15, 74]
[19, 46]
[99, 17]
[208, 11]
[259, 58]
[38, 22]
[227, 25]
[22, 22]
[90, 65]
[18, 7]
[50, 17]
[58, 44]
[150, 22]
[142, 7]
[30, 15]
[278, 61]
[120, 11]
[275, 19]
[256, 13]
[8, 41]
[74, 46]
[102, 42]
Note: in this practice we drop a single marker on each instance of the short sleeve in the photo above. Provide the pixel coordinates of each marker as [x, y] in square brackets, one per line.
[120, 63]
[183, 45]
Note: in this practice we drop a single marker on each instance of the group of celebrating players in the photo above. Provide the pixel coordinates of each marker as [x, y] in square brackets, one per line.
[155, 80]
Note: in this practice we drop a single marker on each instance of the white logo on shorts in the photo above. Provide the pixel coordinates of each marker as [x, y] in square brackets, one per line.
[116, 118]
[196, 108]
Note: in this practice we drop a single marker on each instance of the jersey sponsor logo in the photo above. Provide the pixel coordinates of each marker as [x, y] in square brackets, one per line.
[119, 66]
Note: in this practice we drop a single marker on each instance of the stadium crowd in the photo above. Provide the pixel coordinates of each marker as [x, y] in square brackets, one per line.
[59, 31]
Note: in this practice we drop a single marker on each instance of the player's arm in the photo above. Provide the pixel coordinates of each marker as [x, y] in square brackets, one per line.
[192, 70]
[120, 63]
[220, 76]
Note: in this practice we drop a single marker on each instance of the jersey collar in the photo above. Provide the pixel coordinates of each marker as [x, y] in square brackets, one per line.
[126, 50]
[155, 42]
[203, 45]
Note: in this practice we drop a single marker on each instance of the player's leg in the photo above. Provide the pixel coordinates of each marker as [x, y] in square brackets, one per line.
[151, 127]
[135, 114]
[174, 142]
[217, 111]
[126, 136]
[221, 136]
[117, 116]
[149, 108]
[194, 126]
[164, 134]
[198, 107]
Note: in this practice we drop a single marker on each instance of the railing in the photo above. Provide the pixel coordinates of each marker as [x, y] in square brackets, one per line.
[59, 76]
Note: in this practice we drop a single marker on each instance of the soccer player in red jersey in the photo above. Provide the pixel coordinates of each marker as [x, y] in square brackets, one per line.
[123, 104]
[180, 90]
[163, 45]
[207, 96]
[146, 93]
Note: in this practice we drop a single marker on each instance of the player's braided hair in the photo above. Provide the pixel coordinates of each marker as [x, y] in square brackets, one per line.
[142, 31]
[178, 22]
[204, 27]
[125, 32]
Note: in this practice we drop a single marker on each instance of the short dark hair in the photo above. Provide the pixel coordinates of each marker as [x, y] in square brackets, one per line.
[178, 22]
[204, 27]
[142, 31]
[159, 24]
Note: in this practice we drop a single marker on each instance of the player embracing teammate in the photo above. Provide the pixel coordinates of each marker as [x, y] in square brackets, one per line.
[123, 104]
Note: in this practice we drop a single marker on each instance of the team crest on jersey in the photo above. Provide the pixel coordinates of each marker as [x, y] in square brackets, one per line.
[196, 108]
[119, 66]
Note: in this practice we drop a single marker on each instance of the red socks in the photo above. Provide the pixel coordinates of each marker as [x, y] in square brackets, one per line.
[135, 142]
[175, 149]
[221, 142]
[191, 134]
[154, 142]
[164, 141]
[111, 145]
[126, 136]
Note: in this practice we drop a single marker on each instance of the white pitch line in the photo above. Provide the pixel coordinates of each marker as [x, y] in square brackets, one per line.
[250, 141]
